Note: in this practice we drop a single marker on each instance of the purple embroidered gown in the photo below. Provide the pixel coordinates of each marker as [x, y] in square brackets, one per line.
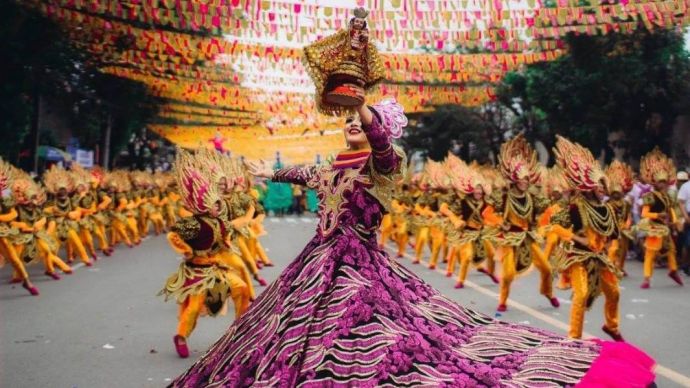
[345, 314]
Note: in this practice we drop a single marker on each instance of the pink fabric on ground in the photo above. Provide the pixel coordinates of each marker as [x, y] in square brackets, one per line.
[619, 365]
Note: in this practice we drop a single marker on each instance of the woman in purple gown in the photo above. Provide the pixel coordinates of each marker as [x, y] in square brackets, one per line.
[345, 314]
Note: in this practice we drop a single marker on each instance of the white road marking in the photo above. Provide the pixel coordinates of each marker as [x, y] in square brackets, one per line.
[275, 220]
[659, 369]
[306, 220]
[291, 220]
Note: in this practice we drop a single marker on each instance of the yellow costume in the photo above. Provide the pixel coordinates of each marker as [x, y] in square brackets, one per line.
[587, 226]
[658, 215]
[65, 215]
[35, 242]
[203, 282]
[9, 233]
[466, 213]
[620, 177]
[518, 244]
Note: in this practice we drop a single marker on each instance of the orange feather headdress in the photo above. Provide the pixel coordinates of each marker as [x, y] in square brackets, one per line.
[657, 167]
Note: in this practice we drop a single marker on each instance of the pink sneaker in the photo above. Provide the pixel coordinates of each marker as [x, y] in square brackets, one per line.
[53, 275]
[645, 284]
[459, 285]
[502, 308]
[261, 281]
[181, 346]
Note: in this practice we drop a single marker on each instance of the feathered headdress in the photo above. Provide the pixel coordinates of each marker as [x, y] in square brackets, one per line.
[518, 160]
[554, 180]
[198, 191]
[657, 167]
[438, 179]
[25, 190]
[581, 169]
[5, 175]
[97, 176]
[80, 176]
[464, 178]
[58, 178]
[620, 176]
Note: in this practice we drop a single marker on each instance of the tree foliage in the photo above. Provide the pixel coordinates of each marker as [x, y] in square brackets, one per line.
[40, 60]
[630, 83]
[464, 131]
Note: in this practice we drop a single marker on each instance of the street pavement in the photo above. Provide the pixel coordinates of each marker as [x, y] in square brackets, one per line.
[104, 326]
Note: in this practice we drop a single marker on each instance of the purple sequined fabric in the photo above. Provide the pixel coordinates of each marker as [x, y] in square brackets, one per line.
[344, 313]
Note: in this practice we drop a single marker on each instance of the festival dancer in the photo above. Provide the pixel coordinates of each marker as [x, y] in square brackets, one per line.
[223, 171]
[515, 236]
[467, 214]
[65, 215]
[242, 211]
[9, 233]
[203, 282]
[557, 189]
[35, 242]
[344, 313]
[423, 215]
[84, 200]
[658, 215]
[116, 184]
[620, 182]
[256, 229]
[130, 198]
[591, 225]
[401, 208]
[102, 203]
[440, 184]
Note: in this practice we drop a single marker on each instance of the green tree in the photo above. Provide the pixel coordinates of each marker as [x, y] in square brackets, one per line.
[40, 61]
[628, 83]
[453, 128]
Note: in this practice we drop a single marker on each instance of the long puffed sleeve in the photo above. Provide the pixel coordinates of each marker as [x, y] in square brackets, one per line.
[384, 157]
[304, 176]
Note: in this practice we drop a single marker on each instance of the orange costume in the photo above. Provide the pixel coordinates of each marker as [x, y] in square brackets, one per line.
[515, 235]
[203, 282]
[659, 218]
[587, 226]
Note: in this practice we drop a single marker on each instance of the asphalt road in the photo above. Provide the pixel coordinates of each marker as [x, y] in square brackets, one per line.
[105, 327]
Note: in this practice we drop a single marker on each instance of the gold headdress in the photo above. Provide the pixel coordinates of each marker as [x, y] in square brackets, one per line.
[464, 178]
[161, 180]
[438, 179]
[25, 190]
[97, 176]
[344, 57]
[80, 176]
[198, 192]
[58, 178]
[620, 176]
[581, 169]
[554, 180]
[5, 175]
[518, 160]
[657, 167]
